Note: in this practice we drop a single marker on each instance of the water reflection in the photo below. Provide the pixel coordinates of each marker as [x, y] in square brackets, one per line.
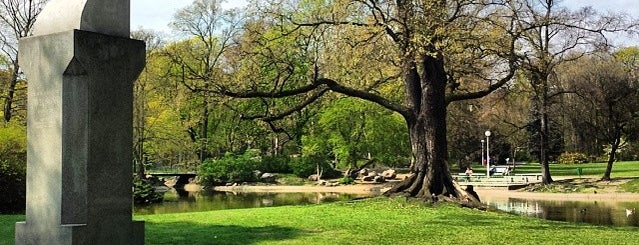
[179, 200]
[592, 212]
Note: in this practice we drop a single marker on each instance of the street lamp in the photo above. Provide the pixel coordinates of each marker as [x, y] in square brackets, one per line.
[487, 133]
[483, 161]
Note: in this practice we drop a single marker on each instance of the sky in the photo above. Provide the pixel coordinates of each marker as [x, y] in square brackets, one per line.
[156, 14]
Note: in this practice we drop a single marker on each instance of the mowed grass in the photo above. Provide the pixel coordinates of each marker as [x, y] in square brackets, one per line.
[631, 186]
[619, 169]
[7, 228]
[372, 221]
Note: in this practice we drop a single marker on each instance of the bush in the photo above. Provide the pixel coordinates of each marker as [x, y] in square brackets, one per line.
[629, 153]
[13, 169]
[229, 169]
[144, 192]
[572, 158]
[346, 181]
[307, 165]
[275, 164]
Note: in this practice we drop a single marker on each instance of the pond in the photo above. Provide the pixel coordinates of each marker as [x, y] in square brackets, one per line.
[179, 201]
[599, 212]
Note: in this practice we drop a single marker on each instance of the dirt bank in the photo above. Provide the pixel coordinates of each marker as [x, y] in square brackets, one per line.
[607, 191]
[372, 189]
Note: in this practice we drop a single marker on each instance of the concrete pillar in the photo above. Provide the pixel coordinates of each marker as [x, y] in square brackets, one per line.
[79, 133]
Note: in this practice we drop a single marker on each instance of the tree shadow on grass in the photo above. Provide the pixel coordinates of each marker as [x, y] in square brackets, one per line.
[198, 233]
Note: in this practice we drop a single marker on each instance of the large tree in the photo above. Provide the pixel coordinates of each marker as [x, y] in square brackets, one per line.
[553, 35]
[16, 20]
[142, 87]
[608, 96]
[199, 59]
[411, 57]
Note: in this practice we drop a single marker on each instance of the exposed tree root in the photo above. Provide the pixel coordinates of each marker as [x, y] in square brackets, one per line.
[414, 186]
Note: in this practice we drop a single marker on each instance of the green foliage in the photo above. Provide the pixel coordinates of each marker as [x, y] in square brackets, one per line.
[12, 187]
[346, 180]
[144, 192]
[572, 158]
[629, 153]
[13, 168]
[291, 179]
[230, 168]
[305, 166]
[350, 129]
[629, 56]
[275, 164]
[555, 138]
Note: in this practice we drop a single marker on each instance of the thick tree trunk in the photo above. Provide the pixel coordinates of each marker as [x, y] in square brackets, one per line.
[430, 176]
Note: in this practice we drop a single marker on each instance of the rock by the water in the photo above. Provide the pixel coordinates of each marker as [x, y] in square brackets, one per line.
[314, 177]
[389, 174]
[268, 177]
[363, 172]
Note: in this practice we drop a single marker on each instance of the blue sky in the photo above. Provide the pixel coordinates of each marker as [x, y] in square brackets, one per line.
[156, 14]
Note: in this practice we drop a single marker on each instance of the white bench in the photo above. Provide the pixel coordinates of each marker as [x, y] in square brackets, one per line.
[536, 175]
[500, 170]
[474, 176]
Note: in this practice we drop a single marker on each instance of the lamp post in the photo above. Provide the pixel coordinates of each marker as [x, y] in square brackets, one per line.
[487, 133]
[483, 163]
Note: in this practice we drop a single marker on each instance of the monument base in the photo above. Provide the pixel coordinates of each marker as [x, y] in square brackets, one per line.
[77, 234]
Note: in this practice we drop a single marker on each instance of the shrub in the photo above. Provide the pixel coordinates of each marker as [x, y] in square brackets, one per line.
[144, 192]
[13, 168]
[307, 165]
[346, 181]
[629, 153]
[572, 158]
[275, 164]
[228, 169]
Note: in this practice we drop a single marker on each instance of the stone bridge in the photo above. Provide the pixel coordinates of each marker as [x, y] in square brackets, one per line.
[182, 178]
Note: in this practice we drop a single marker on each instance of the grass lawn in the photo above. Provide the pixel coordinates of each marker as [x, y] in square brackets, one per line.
[7, 227]
[631, 186]
[372, 221]
[619, 169]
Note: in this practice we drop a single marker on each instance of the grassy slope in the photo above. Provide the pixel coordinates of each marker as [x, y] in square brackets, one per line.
[374, 221]
[619, 169]
[377, 221]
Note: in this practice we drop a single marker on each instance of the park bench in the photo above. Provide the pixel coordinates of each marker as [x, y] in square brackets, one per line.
[536, 175]
[500, 170]
[467, 178]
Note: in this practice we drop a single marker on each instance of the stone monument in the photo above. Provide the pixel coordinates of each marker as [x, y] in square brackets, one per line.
[81, 65]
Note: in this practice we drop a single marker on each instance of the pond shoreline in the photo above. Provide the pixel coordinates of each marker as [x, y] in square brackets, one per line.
[494, 194]
[485, 193]
[374, 189]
